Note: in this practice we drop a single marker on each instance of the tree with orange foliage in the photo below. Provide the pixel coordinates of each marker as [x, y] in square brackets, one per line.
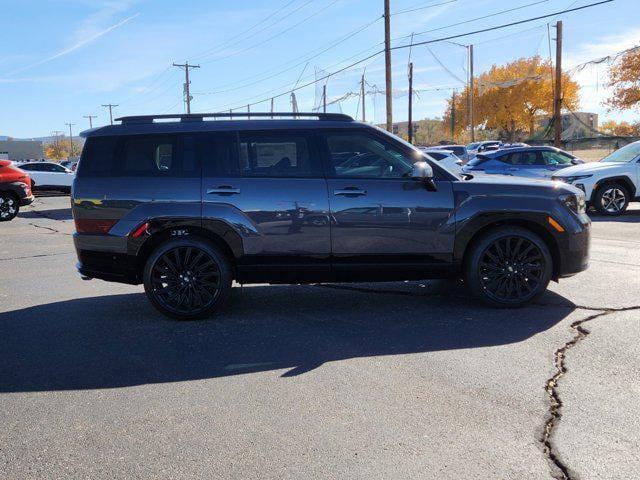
[624, 78]
[622, 129]
[512, 97]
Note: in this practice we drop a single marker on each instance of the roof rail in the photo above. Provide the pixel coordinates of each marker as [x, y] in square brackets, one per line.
[199, 117]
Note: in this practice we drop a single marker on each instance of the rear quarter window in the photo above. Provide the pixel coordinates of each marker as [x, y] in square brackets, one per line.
[139, 156]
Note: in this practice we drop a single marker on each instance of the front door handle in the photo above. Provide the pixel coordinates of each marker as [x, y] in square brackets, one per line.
[355, 191]
[223, 190]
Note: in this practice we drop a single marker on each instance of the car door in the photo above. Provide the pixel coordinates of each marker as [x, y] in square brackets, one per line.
[528, 164]
[381, 217]
[34, 171]
[58, 175]
[269, 185]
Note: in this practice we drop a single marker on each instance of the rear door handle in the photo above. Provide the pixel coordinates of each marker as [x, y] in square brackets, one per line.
[223, 190]
[349, 191]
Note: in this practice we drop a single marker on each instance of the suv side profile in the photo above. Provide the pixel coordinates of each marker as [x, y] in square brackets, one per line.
[188, 206]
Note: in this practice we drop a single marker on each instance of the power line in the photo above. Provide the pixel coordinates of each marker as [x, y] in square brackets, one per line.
[413, 44]
[477, 18]
[483, 30]
[306, 60]
[282, 32]
[424, 7]
[268, 17]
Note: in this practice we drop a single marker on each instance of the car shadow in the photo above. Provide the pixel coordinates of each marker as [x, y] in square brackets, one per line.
[119, 340]
[53, 214]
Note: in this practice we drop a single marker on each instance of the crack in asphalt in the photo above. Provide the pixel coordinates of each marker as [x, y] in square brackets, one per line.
[51, 229]
[559, 469]
[36, 256]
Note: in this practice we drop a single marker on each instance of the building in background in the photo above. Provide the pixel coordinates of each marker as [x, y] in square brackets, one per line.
[576, 125]
[18, 150]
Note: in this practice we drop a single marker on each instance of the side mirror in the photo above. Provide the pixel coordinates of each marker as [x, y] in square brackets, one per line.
[459, 162]
[423, 172]
[576, 161]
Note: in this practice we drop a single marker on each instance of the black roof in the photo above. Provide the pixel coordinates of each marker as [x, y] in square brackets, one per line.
[147, 124]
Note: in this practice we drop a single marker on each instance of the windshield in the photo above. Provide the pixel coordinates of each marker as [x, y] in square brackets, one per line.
[473, 146]
[624, 155]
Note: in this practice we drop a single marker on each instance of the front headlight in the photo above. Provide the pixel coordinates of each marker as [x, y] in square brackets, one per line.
[574, 178]
[575, 203]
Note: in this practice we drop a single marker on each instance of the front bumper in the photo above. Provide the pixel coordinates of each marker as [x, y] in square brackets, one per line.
[28, 200]
[574, 248]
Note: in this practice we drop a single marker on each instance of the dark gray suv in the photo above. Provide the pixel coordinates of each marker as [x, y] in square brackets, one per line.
[187, 206]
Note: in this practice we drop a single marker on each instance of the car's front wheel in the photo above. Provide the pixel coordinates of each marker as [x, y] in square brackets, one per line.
[611, 199]
[9, 207]
[187, 279]
[508, 267]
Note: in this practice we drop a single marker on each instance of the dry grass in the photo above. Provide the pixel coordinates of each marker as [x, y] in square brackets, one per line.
[591, 155]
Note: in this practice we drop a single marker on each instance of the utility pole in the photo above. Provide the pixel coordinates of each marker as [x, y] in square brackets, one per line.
[57, 134]
[271, 108]
[453, 115]
[187, 93]
[410, 124]
[248, 112]
[70, 139]
[110, 106]
[90, 117]
[362, 95]
[324, 98]
[387, 63]
[471, 94]
[557, 101]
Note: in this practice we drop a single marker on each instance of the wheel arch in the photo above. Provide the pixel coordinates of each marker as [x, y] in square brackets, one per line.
[472, 235]
[218, 233]
[623, 180]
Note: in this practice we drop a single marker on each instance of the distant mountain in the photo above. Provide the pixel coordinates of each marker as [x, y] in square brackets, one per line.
[49, 139]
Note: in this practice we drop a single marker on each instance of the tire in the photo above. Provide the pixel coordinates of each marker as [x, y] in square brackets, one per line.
[508, 267]
[611, 199]
[9, 207]
[187, 279]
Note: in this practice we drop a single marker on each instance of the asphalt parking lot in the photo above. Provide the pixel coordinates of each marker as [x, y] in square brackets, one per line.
[395, 381]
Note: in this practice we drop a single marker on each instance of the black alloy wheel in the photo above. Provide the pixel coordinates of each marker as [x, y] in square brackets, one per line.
[509, 267]
[8, 207]
[187, 279]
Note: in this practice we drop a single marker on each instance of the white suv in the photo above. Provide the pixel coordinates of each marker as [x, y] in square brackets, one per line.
[611, 183]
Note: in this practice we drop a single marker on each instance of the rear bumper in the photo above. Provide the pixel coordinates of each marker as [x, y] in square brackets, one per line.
[105, 262]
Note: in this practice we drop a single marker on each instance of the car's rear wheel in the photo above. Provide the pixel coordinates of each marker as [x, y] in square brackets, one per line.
[187, 279]
[9, 207]
[611, 199]
[508, 267]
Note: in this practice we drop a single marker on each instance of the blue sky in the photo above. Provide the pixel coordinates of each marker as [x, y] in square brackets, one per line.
[62, 59]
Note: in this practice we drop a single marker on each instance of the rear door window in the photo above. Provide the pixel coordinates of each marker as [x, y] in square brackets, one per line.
[277, 154]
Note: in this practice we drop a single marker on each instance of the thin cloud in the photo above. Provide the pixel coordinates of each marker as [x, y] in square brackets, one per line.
[76, 46]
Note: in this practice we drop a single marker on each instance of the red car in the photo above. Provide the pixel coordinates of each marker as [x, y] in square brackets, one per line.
[15, 190]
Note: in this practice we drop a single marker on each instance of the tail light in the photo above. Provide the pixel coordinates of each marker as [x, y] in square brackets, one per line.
[84, 225]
